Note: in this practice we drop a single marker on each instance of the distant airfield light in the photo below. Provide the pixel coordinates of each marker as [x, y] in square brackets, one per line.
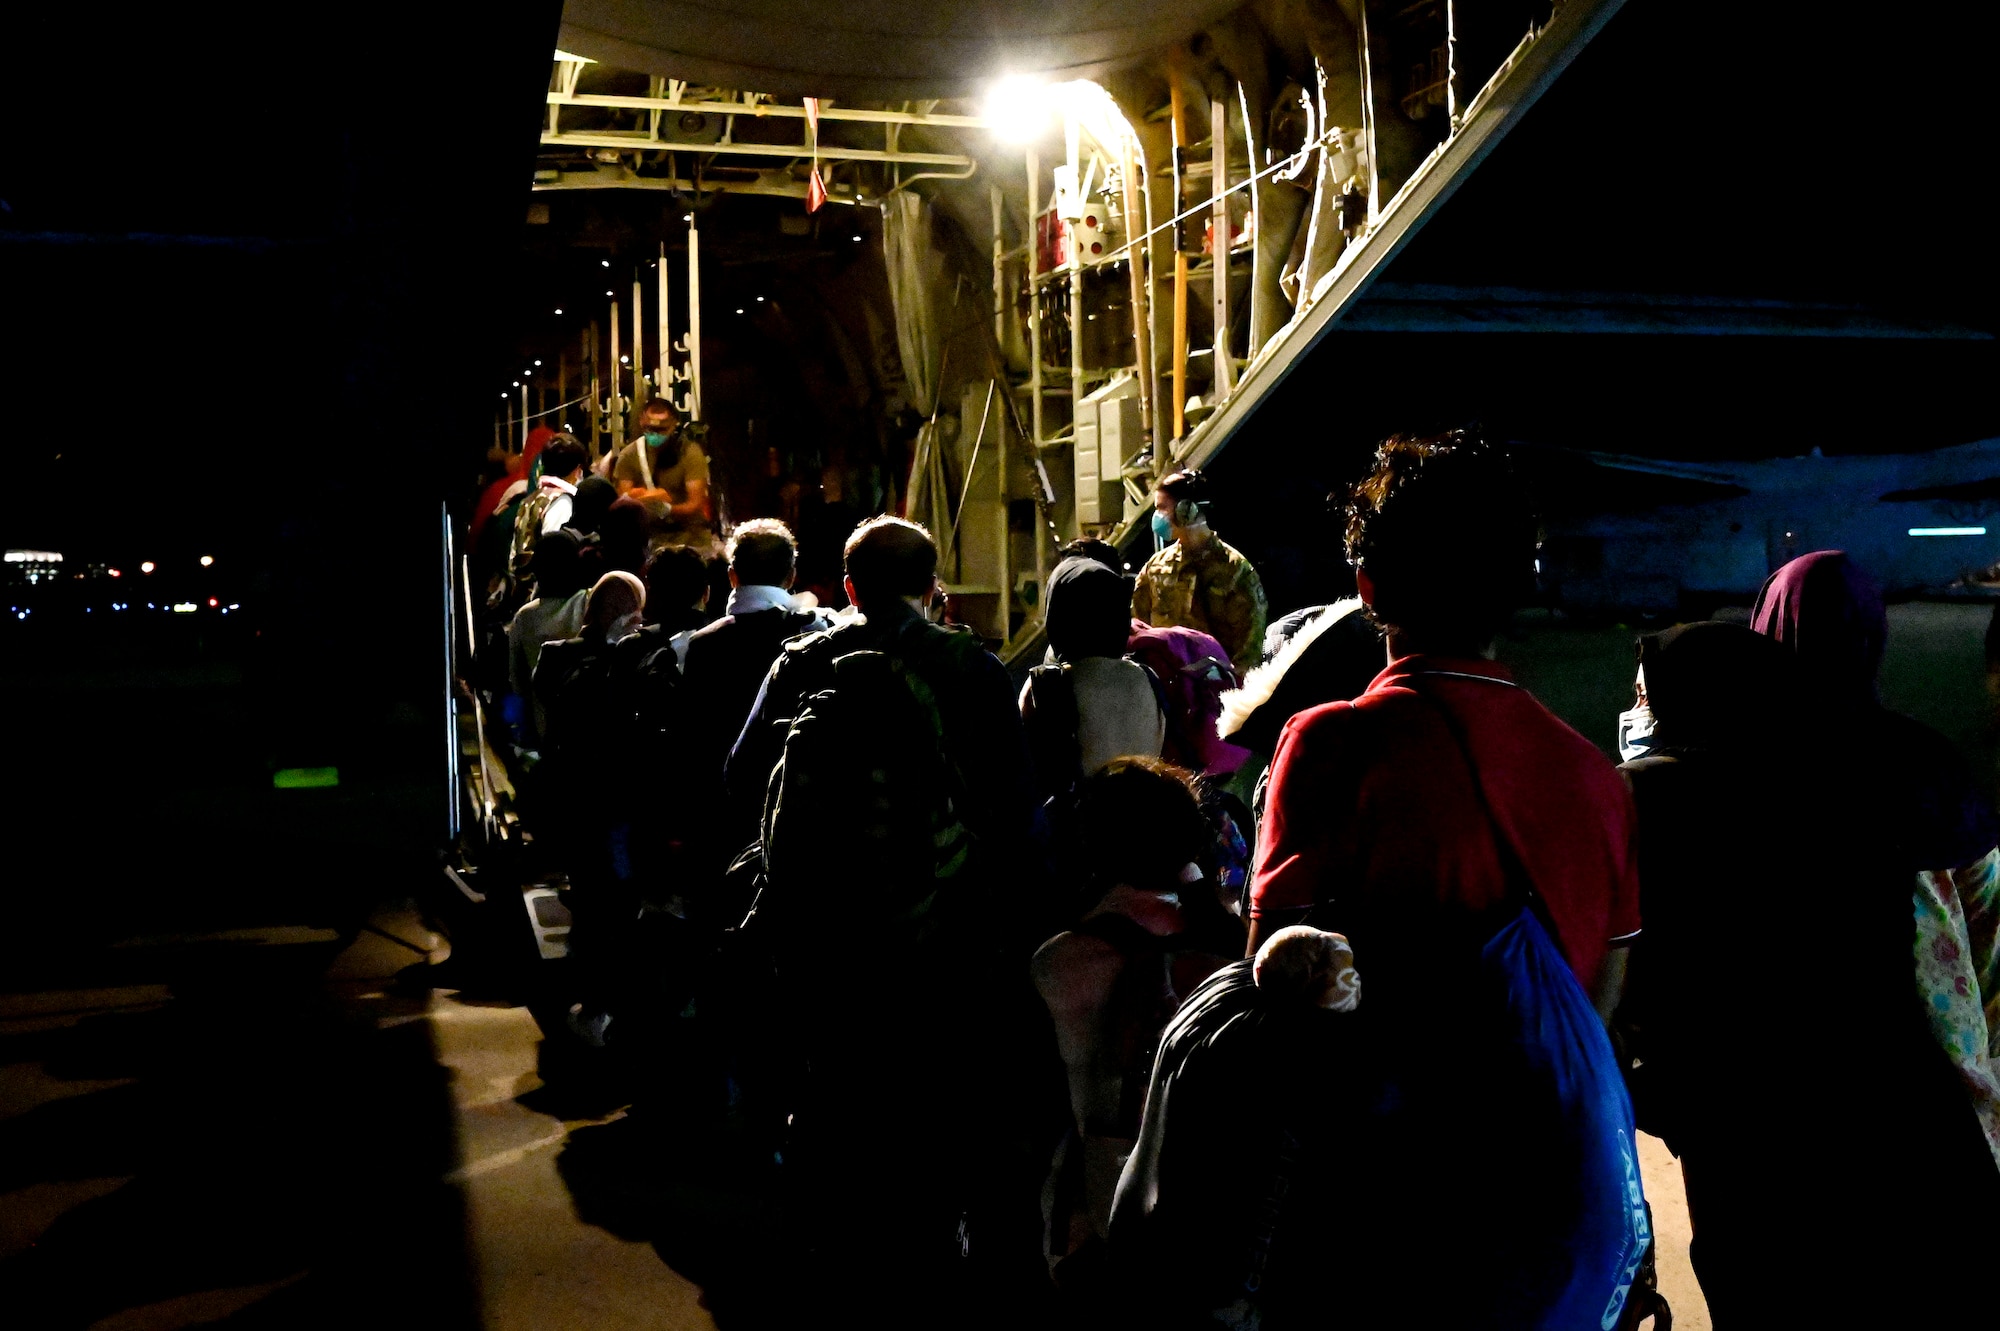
[207, 561]
[146, 567]
[1947, 531]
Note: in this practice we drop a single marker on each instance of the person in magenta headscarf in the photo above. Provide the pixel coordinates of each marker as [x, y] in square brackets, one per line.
[1941, 827]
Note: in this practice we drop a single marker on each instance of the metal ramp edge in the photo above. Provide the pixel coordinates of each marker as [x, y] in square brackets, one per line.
[1516, 86]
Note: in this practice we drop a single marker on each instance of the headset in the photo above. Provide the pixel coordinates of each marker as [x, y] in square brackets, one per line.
[1191, 503]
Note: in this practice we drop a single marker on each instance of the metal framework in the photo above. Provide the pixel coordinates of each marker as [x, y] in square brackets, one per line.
[678, 98]
[618, 156]
[1515, 86]
[1476, 130]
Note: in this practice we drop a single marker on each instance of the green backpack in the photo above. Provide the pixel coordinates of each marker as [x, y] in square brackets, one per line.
[528, 517]
[862, 826]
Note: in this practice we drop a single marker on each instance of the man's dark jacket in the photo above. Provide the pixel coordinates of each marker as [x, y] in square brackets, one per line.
[975, 699]
[726, 665]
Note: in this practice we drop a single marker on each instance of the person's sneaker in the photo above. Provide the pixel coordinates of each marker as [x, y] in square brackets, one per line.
[588, 1027]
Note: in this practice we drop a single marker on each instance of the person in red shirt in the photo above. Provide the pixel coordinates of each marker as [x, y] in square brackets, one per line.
[1418, 820]
[1374, 826]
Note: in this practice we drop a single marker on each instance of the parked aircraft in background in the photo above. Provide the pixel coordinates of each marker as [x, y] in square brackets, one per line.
[1631, 533]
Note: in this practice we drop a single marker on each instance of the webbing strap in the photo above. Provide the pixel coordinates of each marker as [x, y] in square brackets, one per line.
[1520, 883]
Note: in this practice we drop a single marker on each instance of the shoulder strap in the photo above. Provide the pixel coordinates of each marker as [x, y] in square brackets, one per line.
[1153, 682]
[1055, 736]
[1520, 884]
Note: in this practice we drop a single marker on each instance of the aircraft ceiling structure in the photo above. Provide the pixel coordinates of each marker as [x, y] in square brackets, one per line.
[1216, 198]
[877, 49]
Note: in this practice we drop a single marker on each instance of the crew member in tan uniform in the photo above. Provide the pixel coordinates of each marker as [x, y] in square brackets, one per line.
[1199, 581]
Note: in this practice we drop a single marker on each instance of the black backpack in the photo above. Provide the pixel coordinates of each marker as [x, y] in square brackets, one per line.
[1053, 722]
[865, 769]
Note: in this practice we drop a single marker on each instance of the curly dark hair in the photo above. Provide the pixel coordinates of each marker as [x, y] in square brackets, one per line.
[1142, 821]
[1446, 534]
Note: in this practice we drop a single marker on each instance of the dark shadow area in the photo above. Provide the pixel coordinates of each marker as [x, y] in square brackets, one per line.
[271, 1133]
[707, 1202]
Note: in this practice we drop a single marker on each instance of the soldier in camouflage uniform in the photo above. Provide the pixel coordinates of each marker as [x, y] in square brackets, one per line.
[1199, 581]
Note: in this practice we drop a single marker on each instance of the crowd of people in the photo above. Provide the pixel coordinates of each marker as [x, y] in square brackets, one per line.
[1045, 1006]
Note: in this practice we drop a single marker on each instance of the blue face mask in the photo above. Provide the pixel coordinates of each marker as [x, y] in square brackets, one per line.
[1163, 530]
[654, 439]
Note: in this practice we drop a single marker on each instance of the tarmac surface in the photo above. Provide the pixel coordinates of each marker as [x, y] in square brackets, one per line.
[347, 1153]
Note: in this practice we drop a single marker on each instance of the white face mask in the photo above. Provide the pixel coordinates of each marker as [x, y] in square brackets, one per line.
[1635, 732]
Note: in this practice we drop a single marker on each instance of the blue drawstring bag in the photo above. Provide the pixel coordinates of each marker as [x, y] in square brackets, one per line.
[1586, 1233]
[1580, 1230]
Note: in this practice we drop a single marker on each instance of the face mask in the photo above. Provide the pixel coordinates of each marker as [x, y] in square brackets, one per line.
[1635, 733]
[654, 439]
[1163, 530]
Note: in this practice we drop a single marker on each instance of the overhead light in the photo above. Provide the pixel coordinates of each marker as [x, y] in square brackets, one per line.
[1017, 108]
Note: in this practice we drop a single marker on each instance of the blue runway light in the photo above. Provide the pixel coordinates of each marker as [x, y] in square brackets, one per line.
[1947, 531]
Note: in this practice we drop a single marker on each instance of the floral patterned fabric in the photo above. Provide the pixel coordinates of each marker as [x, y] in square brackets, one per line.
[1958, 977]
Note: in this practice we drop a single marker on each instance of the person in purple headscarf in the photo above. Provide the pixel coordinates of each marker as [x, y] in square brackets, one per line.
[1779, 1049]
[1829, 612]
[1939, 826]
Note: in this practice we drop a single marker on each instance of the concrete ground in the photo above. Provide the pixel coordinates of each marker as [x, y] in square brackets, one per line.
[354, 1155]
